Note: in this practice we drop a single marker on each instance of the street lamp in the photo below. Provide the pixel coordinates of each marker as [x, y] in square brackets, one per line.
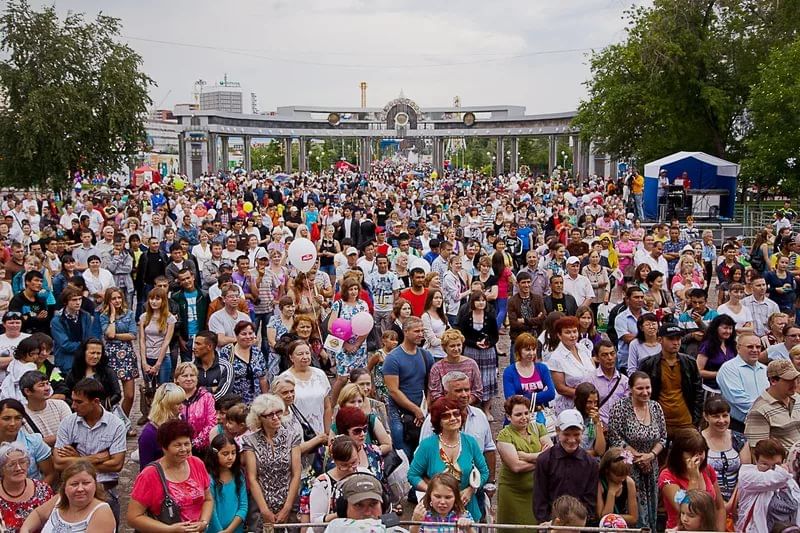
[564, 157]
[319, 160]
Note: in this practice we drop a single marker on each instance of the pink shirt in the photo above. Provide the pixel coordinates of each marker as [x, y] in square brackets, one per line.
[188, 494]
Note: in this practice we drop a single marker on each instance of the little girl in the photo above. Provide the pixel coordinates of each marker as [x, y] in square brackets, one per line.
[697, 511]
[568, 511]
[227, 486]
[616, 491]
[375, 364]
[442, 503]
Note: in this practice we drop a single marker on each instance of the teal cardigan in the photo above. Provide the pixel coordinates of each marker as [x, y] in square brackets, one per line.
[427, 464]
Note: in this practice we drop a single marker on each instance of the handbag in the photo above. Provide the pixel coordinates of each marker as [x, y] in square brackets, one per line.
[170, 511]
[308, 431]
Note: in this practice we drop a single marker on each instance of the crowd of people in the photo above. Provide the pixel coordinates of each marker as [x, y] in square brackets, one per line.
[650, 380]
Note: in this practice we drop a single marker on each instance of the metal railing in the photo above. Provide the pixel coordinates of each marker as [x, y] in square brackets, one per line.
[320, 526]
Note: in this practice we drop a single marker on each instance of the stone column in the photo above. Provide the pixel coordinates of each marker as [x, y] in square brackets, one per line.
[225, 153]
[552, 153]
[183, 159]
[287, 155]
[204, 158]
[248, 159]
[592, 161]
[302, 158]
[514, 162]
[500, 154]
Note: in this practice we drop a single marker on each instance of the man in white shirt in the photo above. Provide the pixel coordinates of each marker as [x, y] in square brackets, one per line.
[761, 307]
[385, 286]
[95, 218]
[45, 412]
[577, 285]
[367, 261]
[643, 250]
[656, 258]
[66, 219]
[224, 321]
[155, 228]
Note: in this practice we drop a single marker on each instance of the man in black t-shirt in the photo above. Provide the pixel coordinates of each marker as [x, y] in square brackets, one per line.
[558, 300]
[35, 316]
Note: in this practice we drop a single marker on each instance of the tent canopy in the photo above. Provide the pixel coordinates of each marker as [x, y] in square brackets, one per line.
[706, 172]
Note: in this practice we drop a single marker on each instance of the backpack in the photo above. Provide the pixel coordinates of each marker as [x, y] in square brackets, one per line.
[612, 317]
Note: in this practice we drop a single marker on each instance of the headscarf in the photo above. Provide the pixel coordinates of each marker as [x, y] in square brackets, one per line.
[613, 257]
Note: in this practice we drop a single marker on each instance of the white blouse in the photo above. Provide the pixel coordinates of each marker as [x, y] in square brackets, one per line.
[575, 372]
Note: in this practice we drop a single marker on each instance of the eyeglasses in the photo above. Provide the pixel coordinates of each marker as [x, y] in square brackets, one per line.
[451, 415]
[359, 430]
[22, 464]
[273, 414]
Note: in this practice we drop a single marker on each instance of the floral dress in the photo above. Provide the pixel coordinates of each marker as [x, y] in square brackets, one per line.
[121, 357]
[624, 429]
[246, 376]
[347, 361]
[273, 465]
[14, 514]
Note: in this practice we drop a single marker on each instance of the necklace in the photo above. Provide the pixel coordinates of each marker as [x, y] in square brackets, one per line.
[451, 446]
[24, 488]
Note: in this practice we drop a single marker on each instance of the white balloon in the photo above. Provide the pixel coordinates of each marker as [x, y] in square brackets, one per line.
[414, 262]
[302, 254]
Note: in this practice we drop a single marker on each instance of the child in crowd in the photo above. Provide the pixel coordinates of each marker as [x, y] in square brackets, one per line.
[568, 511]
[697, 511]
[442, 503]
[228, 486]
[616, 491]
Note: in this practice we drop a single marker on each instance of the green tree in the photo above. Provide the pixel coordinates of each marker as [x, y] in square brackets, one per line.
[682, 78]
[268, 156]
[73, 97]
[771, 145]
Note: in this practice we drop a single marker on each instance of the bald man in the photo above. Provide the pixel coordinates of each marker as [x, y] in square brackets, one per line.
[742, 379]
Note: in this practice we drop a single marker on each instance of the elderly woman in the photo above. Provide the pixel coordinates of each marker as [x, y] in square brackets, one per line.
[198, 409]
[187, 483]
[352, 396]
[453, 344]
[312, 389]
[519, 445]
[249, 364]
[167, 405]
[311, 442]
[80, 505]
[271, 455]
[570, 363]
[449, 450]
[19, 495]
[12, 413]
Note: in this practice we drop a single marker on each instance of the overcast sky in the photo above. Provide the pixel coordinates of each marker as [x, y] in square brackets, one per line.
[315, 52]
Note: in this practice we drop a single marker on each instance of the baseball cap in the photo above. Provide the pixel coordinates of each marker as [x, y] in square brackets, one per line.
[351, 251]
[573, 259]
[670, 330]
[359, 487]
[783, 369]
[570, 418]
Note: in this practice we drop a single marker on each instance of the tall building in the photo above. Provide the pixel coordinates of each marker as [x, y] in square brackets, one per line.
[228, 100]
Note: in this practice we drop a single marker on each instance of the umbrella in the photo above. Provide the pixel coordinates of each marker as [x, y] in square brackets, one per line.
[281, 177]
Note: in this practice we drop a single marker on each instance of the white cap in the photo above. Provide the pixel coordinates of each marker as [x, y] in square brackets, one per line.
[573, 259]
[570, 418]
[351, 251]
[687, 248]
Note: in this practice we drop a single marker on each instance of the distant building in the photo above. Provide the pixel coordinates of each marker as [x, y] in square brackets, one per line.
[162, 114]
[227, 100]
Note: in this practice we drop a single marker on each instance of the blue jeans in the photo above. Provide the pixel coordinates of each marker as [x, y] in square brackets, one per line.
[396, 431]
[637, 202]
[501, 305]
[165, 372]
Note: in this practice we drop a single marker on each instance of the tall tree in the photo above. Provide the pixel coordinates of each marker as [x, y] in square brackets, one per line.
[74, 97]
[681, 79]
[772, 142]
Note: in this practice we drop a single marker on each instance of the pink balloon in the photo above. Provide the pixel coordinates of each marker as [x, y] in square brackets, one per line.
[341, 328]
[362, 323]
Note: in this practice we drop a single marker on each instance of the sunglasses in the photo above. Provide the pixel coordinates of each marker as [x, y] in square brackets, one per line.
[450, 415]
[360, 430]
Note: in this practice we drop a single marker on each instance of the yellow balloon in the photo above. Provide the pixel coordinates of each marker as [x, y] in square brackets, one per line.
[179, 184]
[434, 175]
[248, 207]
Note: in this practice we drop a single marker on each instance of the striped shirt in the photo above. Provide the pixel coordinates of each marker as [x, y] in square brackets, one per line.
[770, 418]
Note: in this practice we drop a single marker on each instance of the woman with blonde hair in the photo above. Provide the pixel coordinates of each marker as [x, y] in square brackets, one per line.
[198, 409]
[452, 342]
[351, 395]
[167, 405]
[156, 326]
[271, 455]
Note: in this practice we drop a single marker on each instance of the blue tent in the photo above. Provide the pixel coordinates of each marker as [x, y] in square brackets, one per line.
[706, 172]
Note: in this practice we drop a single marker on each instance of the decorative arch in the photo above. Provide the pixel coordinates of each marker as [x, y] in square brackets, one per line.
[399, 106]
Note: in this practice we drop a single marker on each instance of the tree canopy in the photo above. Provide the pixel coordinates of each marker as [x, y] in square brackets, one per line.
[73, 97]
[682, 78]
